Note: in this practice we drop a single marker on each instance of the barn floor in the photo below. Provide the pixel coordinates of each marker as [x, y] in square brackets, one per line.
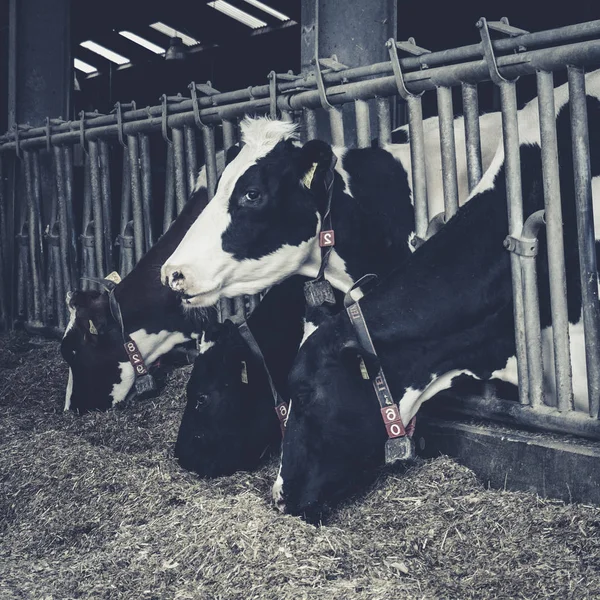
[96, 507]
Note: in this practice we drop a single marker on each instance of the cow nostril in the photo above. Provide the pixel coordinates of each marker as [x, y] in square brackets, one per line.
[177, 275]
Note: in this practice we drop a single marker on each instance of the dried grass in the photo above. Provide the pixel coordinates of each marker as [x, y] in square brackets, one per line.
[96, 507]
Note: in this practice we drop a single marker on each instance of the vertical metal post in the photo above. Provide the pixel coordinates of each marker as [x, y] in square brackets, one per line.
[63, 228]
[146, 174]
[418, 165]
[106, 205]
[448, 150]
[514, 196]
[125, 193]
[210, 160]
[472, 133]
[229, 136]
[71, 229]
[32, 239]
[336, 124]
[363, 124]
[179, 162]
[97, 206]
[136, 196]
[169, 209]
[87, 250]
[191, 158]
[384, 121]
[310, 123]
[554, 230]
[588, 269]
[4, 285]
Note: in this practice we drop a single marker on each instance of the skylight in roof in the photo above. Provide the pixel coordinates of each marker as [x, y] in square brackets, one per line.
[268, 10]
[172, 32]
[105, 52]
[142, 42]
[83, 66]
[237, 14]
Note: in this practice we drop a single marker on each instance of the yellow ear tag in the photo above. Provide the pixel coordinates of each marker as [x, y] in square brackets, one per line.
[114, 277]
[244, 372]
[93, 329]
[363, 369]
[307, 179]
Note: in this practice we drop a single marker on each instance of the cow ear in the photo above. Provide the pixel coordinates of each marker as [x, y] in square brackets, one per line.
[315, 160]
[81, 298]
[360, 361]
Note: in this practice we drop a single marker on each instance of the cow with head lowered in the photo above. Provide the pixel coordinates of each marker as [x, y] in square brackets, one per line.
[229, 418]
[263, 224]
[100, 372]
[446, 312]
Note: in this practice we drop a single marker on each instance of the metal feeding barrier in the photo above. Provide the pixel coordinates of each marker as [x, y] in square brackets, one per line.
[49, 243]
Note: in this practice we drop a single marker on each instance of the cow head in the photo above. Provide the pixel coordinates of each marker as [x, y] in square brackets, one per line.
[334, 436]
[229, 421]
[99, 371]
[261, 225]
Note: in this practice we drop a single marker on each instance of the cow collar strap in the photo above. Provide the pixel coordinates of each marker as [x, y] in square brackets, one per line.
[144, 382]
[281, 407]
[319, 291]
[399, 445]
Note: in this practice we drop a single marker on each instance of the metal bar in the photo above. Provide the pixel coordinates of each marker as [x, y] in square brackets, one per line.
[71, 229]
[588, 269]
[106, 206]
[253, 302]
[563, 35]
[37, 219]
[58, 271]
[127, 250]
[125, 193]
[336, 124]
[146, 174]
[4, 287]
[210, 160]
[310, 123]
[384, 121]
[169, 210]
[239, 306]
[511, 66]
[287, 115]
[363, 124]
[86, 269]
[229, 135]
[224, 309]
[472, 134]
[64, 258]
[418, 165]
[97, 207]
[179, 162]
[136, 196]
[31, 222]
[531, 306]
[448, 150]
[191, 159]
[554, 230]
[514, 196]
[22, 273]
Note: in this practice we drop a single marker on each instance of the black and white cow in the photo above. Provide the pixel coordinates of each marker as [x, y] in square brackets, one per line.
[262, 225]
[445, 312]
[100, 374]
[229, 422]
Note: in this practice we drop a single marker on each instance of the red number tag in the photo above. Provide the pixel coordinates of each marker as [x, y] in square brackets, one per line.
[392, 421]
[135, 357]
[327, 238]
[282, 413]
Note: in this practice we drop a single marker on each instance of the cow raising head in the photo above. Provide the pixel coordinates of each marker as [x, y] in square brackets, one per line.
[261, 226]
[100, 374]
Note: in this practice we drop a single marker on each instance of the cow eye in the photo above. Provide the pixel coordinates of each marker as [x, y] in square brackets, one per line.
[250, 198]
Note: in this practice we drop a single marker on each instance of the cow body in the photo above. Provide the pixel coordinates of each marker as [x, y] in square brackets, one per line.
[100, 374]
[444, 313]
[263, 223]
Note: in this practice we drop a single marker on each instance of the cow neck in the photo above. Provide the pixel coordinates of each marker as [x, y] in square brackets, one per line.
[399, 445]
[319, 291]
[144, 382]
[281, 407]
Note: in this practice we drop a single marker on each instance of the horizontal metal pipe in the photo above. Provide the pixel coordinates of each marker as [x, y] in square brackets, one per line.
[562, 35]
[511, 66]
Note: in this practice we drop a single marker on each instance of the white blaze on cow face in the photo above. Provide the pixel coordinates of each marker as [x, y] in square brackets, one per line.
[199, 267]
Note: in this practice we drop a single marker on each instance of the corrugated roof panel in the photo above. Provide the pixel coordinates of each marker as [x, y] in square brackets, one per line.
[172, 32]
[83, 66]
[237, 14]
[268, 10]
[105, 52]
[138, 39]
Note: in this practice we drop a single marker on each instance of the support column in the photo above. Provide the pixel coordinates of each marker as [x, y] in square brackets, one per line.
[356, 32]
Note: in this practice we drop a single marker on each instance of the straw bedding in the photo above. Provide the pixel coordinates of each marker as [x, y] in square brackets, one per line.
[97, 507]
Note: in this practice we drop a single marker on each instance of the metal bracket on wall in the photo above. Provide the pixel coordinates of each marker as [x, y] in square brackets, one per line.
[501, 26]
[410, 47]
[204, 88]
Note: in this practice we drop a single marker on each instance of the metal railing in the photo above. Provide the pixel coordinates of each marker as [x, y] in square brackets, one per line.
[44, 259]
